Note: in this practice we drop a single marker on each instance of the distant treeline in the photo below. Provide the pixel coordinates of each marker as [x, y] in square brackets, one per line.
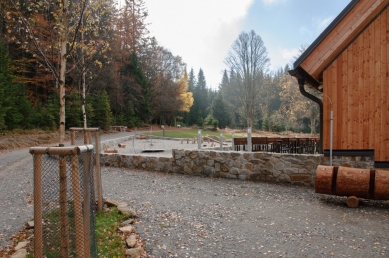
[129, 79]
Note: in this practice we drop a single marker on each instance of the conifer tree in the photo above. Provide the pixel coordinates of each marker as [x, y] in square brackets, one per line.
[219, 111]
[102, 115]
[14, 106]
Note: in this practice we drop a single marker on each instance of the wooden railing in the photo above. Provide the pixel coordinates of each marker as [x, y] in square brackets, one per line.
[279, 144]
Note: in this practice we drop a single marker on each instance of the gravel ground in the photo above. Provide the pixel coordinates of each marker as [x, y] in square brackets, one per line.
[16, 193]
[16, 190]
[184, 216]
[153, 147]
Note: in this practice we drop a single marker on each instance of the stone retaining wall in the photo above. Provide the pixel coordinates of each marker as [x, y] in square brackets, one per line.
[256, 166]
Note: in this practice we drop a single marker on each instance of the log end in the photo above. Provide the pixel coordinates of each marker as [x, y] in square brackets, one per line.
[352, 201]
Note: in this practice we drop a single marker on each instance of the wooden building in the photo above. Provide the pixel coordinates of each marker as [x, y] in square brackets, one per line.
[348, 63]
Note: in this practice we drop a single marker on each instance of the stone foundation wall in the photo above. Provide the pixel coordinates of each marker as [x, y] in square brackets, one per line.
[256, 166]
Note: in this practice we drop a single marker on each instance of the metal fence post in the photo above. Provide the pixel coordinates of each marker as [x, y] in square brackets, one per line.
[221, 141]
[199, 139]
[232, 142]
[249, 140]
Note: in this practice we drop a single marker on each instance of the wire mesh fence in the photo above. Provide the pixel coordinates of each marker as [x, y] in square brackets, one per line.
[64, 203]
[81, 136]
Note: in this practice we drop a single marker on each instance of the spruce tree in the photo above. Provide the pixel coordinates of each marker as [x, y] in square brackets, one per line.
[102, 116]
[219, 111]
[14, 106]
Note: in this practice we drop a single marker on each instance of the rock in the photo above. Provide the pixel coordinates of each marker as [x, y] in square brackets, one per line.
[30, 224]
[111, 202]
[127, 229]
[21, 245]
[134, 252]
[126, 210]
[127, 222]
[21, 253]
[131, 241]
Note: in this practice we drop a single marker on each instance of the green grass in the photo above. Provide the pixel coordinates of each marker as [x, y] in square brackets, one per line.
[187, 133]
[109, 241]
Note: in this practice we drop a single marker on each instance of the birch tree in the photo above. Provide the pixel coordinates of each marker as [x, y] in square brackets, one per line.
[50, 31]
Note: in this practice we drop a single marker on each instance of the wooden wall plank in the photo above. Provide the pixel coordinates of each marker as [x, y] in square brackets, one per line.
[377, 86]
[370, 86]
[350, 97]
[338, 115]
[344, 105]
[369, 95]
[384, 155]
[363, 87]
[353, 98]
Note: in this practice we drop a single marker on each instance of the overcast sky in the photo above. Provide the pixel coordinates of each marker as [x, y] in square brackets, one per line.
[202, 31]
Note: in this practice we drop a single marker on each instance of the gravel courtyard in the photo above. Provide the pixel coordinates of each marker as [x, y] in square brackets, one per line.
[184, 216]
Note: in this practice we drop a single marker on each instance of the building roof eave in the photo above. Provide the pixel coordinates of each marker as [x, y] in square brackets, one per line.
[325, 33]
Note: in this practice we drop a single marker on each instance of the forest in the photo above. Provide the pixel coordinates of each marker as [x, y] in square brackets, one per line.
[96, 65]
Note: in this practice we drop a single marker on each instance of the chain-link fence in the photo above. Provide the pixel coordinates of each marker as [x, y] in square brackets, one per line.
[82, 136]
[64, 206]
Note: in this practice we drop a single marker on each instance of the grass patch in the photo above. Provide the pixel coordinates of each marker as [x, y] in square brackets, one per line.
[110, 242]
[190, 133]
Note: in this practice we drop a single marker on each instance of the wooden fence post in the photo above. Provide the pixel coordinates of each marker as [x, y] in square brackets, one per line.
[63, 204]
[38, 245]
[77, 208]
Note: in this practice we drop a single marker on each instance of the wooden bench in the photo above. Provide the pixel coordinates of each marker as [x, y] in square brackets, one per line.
[119, 128]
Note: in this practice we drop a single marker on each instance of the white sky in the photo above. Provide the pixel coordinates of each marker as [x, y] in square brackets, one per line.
[202, 31]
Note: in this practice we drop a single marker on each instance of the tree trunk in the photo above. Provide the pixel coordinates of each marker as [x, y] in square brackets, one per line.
[83, 83]
[62, 75]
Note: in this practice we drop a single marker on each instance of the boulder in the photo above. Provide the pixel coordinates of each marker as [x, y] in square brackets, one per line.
[127, 229]
[111, 202]
[126, 210]
[131, 241]
[134, 252]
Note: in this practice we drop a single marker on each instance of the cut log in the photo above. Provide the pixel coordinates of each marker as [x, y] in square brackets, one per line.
[353, 182]
[324, 177]
[352, 201]
[381, 188]
[142, 137]
[121, 145]
[111, 151]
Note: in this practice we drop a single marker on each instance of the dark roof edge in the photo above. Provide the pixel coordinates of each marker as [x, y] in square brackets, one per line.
[325, 33]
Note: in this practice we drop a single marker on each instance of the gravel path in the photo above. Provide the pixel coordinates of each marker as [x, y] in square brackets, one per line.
[16, 179]
[183, 216]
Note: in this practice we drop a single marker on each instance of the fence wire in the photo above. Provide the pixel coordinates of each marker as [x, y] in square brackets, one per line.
[81, 136]
[64, 202]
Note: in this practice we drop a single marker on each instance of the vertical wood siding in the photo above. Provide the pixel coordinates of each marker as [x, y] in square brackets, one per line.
[357, 83]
